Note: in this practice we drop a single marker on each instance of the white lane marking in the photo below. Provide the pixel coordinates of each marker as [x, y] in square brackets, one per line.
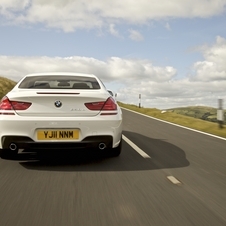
[194, 130]
[173, 180]
[135, 147]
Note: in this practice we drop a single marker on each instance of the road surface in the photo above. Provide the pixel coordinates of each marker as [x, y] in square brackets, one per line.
[165, 176]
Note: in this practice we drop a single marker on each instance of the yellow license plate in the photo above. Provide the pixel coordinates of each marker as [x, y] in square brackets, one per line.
[57, 134]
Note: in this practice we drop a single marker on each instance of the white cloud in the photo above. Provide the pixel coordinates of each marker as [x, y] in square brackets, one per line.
[159, 86]
[176, 93]
[14, 5]
[114, 69]
[70, 15]
[113, 30]
[130, 71]
[135, 35]
[214, 65]
[167, 26]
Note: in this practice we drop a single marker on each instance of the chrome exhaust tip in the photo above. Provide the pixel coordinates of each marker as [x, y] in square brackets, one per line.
[13, 147]
[102, 146]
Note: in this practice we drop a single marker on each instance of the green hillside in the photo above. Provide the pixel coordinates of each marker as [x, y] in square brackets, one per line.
[5, 86]
[200, 112]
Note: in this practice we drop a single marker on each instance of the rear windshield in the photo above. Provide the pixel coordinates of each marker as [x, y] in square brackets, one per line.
[59, 82]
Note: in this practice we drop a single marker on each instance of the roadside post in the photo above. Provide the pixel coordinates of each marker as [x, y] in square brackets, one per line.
[139, 100]
[220, 113]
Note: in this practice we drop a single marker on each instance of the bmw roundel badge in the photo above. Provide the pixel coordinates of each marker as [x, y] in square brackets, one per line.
[58, 103]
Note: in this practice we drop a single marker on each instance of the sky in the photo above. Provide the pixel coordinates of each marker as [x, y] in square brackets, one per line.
[171, 53]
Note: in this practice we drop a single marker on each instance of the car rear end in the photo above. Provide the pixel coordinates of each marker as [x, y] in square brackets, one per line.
[59, 111]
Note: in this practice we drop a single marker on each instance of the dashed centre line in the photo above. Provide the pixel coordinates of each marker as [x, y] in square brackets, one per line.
[173, 180]
[135, 147]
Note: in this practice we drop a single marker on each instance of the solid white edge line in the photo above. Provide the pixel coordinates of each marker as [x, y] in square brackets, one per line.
[173, 180]
[135, 147]
[208, 134]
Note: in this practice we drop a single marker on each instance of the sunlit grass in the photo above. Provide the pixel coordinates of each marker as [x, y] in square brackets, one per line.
[5, 86]
[193, 123]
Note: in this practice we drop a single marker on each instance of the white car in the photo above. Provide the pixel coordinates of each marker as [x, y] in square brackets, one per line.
[56, 111]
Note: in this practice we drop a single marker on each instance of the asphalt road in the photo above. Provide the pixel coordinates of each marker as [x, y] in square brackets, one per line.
[180, 181]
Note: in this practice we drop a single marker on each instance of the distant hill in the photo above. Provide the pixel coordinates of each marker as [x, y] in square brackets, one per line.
[5, 86]
[200, 112]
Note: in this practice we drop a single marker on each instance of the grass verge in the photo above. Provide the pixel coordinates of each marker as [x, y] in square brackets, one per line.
[5, 86]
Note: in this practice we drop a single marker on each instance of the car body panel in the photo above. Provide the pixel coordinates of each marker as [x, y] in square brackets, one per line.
[72, 103]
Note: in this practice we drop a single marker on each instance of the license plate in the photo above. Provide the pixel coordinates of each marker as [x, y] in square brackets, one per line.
[57, 134]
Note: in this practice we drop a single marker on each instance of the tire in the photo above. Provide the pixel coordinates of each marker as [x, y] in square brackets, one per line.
[1, 151]
[8, 154]
[115, 152]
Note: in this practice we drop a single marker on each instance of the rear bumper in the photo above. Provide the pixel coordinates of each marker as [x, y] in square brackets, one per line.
[20, 142]
[92, 131]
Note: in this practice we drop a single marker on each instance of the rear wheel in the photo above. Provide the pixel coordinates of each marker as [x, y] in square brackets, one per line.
[115, 152]
[7, 153]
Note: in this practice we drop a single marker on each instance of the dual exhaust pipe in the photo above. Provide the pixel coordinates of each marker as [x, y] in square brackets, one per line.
[14, 147]
[102, 146]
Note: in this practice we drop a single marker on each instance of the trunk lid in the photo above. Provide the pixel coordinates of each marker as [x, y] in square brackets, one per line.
[58, 103]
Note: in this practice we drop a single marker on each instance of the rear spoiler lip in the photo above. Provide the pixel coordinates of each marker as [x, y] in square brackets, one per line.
[56, 93]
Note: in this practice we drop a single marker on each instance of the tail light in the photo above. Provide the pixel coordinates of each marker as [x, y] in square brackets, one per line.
[6, 104]
[108, 105]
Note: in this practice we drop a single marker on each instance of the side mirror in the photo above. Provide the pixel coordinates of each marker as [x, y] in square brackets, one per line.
[111, 93]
